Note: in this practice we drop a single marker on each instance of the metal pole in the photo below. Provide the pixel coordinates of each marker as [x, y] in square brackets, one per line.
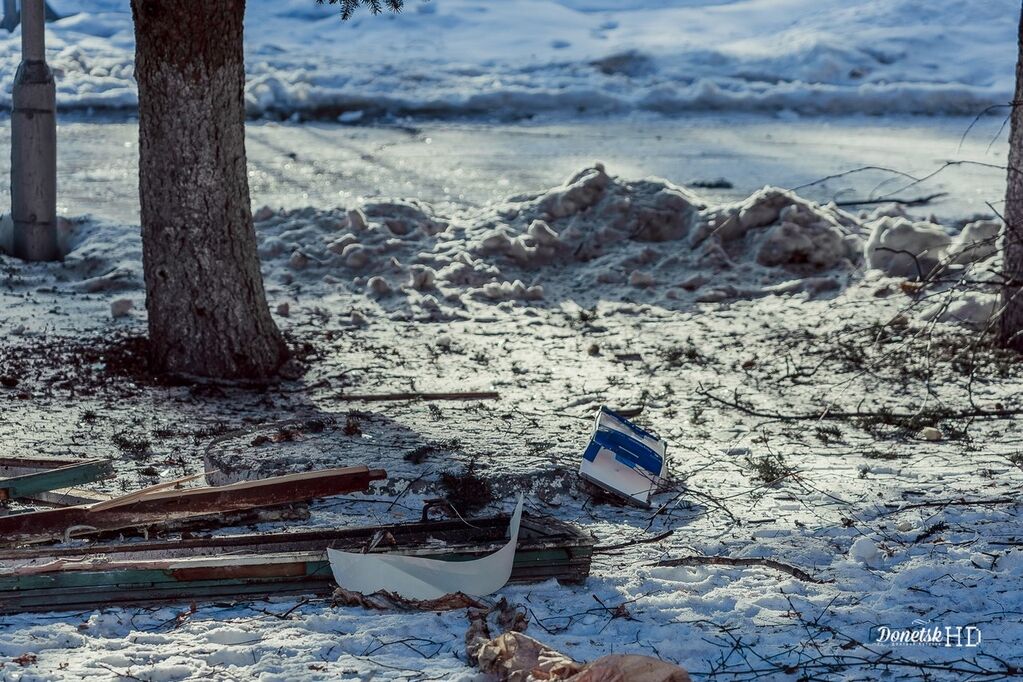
[34, 144]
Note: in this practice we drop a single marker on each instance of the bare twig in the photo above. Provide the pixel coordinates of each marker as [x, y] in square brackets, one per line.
[918, 201]
[742, 562]
[856, 414]
[389, 397]
[641, 541]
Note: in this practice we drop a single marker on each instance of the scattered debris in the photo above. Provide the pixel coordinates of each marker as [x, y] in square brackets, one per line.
[424, 452]
[391, 397]
[768, 469]
[383, 600]
[261, 564]
[517, 657]
[418, 577]
[624, 459]
[466, 491]
[506, 617]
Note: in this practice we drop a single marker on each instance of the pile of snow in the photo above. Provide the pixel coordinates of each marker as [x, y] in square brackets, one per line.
[902, 248]
[568, 56]
[961, 272]
[595, 237]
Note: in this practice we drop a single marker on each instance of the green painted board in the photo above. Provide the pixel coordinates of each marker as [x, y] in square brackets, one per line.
[71, 590]
[53, 582]
[45, 480]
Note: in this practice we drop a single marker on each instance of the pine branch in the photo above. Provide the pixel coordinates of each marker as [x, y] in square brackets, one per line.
[348, 7]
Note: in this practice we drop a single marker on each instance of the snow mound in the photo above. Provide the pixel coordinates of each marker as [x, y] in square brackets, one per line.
[960, 275]
[865, 551]
[977, 241]
[594, 237]
[900, 247]
[612, 237]
[971, 308]
[798, 231]
[586, 217]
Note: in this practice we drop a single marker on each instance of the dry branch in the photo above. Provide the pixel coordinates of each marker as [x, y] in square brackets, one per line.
[976, 413]
[742, 562]
[641, 541]
[387, 397]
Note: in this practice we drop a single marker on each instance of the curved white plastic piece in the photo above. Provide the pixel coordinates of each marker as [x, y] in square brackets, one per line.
[421, 578]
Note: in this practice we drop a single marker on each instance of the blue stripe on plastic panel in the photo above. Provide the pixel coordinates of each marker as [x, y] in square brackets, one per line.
[591, 451]
[628, 451]
[625, 422]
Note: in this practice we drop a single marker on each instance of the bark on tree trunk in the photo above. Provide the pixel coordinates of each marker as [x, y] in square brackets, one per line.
[1010, 326]
[208, 315]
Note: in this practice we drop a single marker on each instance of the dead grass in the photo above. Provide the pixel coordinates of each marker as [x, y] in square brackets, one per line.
[466, 491]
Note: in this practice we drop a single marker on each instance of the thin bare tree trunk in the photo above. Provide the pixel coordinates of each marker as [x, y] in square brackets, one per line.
[1011, 322]
[208, 315]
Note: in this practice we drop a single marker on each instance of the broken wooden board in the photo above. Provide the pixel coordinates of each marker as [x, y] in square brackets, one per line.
[35, 478]
[295, 512]
[163, 506]
[258, 565]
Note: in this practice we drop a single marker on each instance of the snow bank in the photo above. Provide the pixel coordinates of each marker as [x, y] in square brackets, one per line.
[960, 275]
[457, 57]
[902, 248]
[593, 238]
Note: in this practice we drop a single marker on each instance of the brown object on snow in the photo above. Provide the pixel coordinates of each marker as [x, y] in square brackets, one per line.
[627, 668]
[515, 657]
[384, 600]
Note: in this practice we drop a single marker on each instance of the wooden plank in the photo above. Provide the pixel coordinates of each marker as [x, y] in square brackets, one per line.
[484, 535]
[69, 591]
[28, 463]
[172, 505]
[68, 497]
[298, 511]
[144, 596]
[43, 479]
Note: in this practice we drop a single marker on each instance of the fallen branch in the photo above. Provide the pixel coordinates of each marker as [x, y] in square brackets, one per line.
[977, 413]
[742, 562]
[931, 531]
[642, 541]
[387, 397]
[918, 201]
[957, 502]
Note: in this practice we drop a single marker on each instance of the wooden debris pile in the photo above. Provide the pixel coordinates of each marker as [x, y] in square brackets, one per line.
[86, 551]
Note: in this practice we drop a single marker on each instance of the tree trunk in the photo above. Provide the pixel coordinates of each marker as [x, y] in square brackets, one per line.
[208, 315]
[1011, 322]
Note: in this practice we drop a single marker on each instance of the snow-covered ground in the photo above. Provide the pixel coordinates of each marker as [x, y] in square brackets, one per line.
[523, 57]
[762, 301]
[726, 313]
